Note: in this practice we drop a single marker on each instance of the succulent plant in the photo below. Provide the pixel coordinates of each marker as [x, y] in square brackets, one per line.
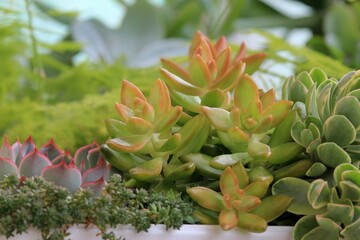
[242, 200]
[86, 169]
[329, 128]
[331, 209]
[211, 73]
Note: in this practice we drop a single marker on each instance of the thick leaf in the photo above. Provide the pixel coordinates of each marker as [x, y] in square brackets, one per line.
[245, 92]
[229, 183]
[241, 174]
[219, 118]
[273, 206]
[206, 198]
[316, 170]
[82, 153]
[176, 69]
[228, 219]
[296, 189]
[96, 173]
[339, 129]
[227, 81]
[332, 155]
[257, 189]
[168, 119]
[7, 168]
[51, 150]
[202, 163]
[62, 174]
[285, 152]
[303, 226]
[179, 171]
[148, 171]
[259, 150]
[199, 71]
[139, 126]
[339, 170]
[298, 169]
[224, 160]
[170, 144]
[349, 106]
[128, 144]
[213, 98]
[6, 150]
[33, 163]
[129, 92]
[96, 186]
[25, 148]
[282, 133]
[160, 98]
[319, 194]
[251, 222]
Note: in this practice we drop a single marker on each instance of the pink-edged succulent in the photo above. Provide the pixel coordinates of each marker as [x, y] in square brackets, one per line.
[211, 75]
[86, 169]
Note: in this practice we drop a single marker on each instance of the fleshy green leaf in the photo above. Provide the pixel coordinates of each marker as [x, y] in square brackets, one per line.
[332, 155]
[338, 129]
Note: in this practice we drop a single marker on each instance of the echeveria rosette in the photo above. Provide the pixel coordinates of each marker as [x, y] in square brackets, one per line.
[330, 124]
[87, 169]
[241, 202]
[245, 127]
[331, 208]
[211, 74]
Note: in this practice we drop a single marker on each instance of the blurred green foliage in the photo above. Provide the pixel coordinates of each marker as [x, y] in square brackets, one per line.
[69, 102]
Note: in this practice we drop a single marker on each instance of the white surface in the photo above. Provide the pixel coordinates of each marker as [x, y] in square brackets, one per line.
[198, 232]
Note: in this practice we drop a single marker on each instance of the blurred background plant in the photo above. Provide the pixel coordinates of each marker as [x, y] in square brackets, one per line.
[61, 66]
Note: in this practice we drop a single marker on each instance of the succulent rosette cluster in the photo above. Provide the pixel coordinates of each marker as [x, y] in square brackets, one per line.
[86, 169]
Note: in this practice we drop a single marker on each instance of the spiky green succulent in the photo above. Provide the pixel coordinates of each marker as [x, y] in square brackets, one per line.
[86, 169]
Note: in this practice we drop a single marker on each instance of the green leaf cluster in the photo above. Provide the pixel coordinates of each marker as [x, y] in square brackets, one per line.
[52, 209]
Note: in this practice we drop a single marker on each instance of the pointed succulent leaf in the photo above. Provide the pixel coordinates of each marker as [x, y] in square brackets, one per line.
[51, 150]
[229, 183]
[273, 206]
[199, 72]
[95, 173]
[7, 168]
[251, 222]
[128, 94]
[166, 121]
[241, 174]
[315, 132]
[339, 129]
[159, 98]
[65, 156]
[123, 111]
[228, 219]
[6, 150]
[223, 61]
[62, 174]
[143, 110]
[278, 111]
[190, 103]
[148, 171]
[93, 157]
[311, 104]
[219, 118]
[180, 84]
[319, 193]
[227, 81]
[128, 144]
[81, 154]
[318, 75]
[175, 69]
[245, 92]
[202, 163]
[213, 98]
[285, 152]
[296, 189]
[139, 126]
[33, 163]
[268, 98]
[306, 137]
[206, 198]
[25, 148]
[116, 128]
[96, 186]
[305, 78]
[297, 91]
[253, 62]
[332, 155]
